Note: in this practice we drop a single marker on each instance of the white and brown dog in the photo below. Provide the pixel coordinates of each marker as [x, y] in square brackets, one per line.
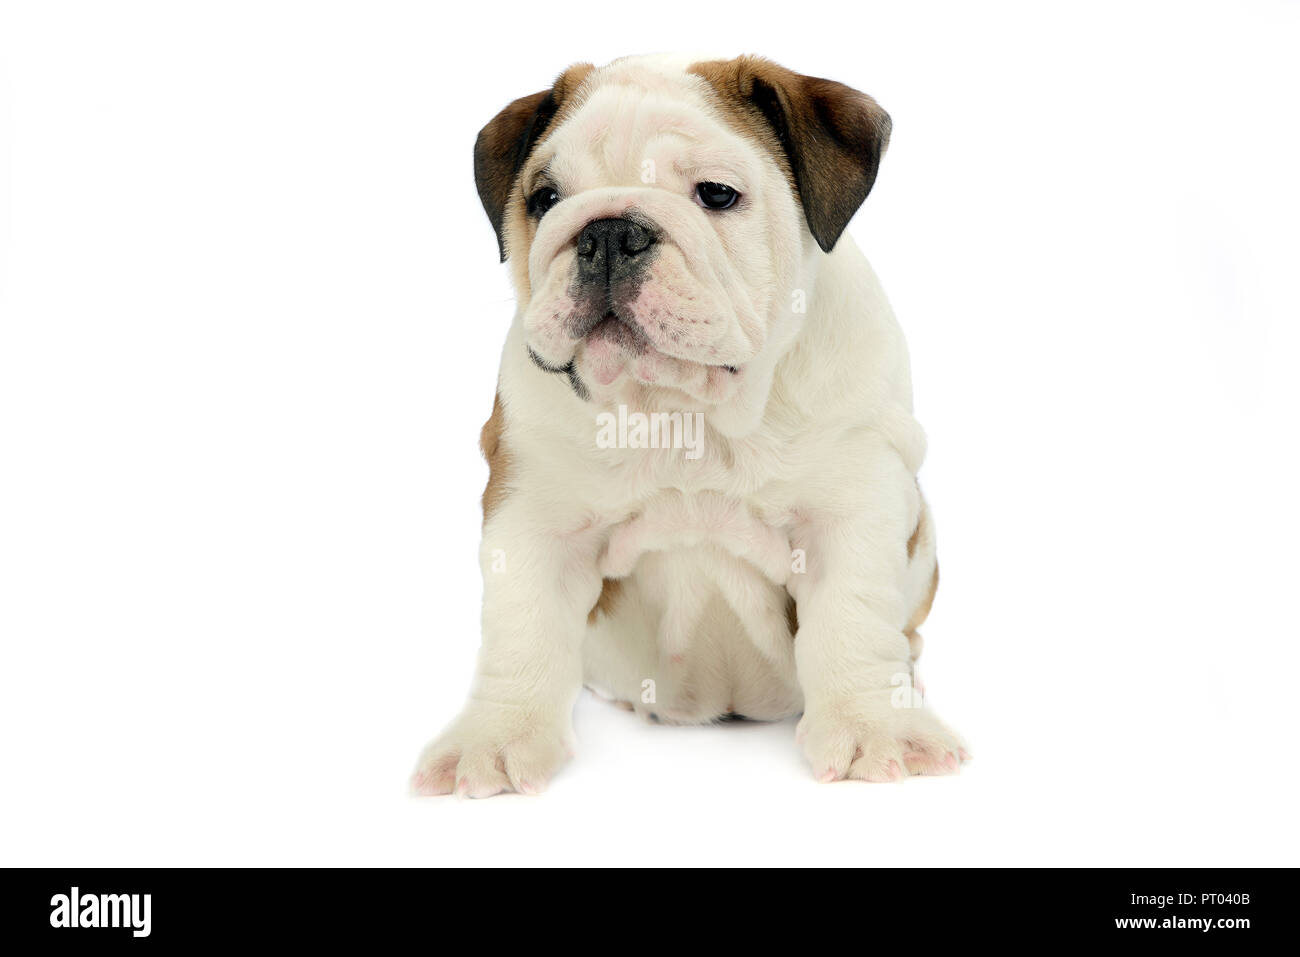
[703, 498]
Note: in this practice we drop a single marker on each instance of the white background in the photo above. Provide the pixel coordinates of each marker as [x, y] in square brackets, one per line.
[250, 317]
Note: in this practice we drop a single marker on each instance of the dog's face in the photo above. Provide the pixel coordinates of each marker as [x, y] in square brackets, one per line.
[656, 215]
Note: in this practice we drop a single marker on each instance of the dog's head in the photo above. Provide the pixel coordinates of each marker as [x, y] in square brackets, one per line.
[656, 214]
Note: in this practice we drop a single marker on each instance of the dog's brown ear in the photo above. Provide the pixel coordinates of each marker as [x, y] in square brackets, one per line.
[503, 145]
[831, 136]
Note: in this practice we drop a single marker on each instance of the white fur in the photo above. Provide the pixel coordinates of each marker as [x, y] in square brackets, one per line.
[811, 447]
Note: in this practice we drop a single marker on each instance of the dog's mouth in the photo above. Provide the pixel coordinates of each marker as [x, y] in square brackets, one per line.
[619, 332]
[616, 344]
[612, 346]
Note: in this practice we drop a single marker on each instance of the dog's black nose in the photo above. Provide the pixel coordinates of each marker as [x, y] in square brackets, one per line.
[612, 249]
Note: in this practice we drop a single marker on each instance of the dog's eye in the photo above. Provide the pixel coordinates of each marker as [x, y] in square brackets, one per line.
[542, 200]
[716, 195]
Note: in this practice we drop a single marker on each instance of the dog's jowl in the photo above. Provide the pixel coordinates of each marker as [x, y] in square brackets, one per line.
[674, 229]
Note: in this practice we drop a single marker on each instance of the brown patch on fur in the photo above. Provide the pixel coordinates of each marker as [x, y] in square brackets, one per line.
[827, 135]
[498, 459]
[917, 532]
[792, 614]
[610, 591]
[740, 113]
[503, 146]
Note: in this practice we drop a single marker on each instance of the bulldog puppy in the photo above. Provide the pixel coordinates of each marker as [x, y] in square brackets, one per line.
[703, 500]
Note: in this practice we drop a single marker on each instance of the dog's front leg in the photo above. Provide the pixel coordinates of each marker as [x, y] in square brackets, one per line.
[862, 718]
[539, 583]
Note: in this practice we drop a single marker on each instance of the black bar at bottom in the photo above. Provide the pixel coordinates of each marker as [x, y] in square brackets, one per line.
[634, 909]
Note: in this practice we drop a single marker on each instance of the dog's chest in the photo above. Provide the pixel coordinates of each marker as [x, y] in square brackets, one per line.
[689, 550]
[709, 521]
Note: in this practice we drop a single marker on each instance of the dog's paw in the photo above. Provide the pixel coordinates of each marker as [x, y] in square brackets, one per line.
[487, 751]
[870, 739]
